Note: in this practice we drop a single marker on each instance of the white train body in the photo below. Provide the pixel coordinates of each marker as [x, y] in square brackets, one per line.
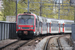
[66, 26]
[53, 26]
[40, 25]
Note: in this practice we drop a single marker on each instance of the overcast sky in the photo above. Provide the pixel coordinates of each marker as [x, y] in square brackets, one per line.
[0, 3]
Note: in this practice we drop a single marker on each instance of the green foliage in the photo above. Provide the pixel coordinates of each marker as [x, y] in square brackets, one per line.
[49, 10]
[9, 8]
[1, 16]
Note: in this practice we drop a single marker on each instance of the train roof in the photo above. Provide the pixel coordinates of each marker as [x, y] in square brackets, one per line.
[42, 19]
[50, 20]
[66, 21]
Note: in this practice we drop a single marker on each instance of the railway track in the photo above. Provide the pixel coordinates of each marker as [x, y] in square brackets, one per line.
[32, 43]
[1, 47]
[70, 42]
[59, 43]
[17, 45]
[54, 43]
[46, 46]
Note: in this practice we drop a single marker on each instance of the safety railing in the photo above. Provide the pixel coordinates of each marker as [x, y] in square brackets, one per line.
[7, 30]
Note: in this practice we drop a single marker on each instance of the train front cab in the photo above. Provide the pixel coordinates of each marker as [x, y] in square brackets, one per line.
[25, 25]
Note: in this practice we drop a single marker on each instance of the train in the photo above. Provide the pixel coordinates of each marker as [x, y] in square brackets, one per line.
[29, 25]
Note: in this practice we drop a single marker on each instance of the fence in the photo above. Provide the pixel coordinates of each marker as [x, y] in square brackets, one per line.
[7, 30]
[73, 32]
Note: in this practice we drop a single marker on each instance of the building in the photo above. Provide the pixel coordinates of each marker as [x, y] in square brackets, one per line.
[11, 18]
[1, 5]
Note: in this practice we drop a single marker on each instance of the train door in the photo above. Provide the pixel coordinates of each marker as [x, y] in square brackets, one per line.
[54, 27]
[40, 23]
[48, 26]
[44, 28]
[68, 27]
[61, 28]
[37, 26]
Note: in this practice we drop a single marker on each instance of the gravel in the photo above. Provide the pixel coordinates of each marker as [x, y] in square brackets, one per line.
[64, 44]
[53, 45]
[27, 48]
[5, 42]
[41, 44]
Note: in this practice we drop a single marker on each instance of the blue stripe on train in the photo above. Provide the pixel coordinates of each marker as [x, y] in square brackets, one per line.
[67, 25]
[54, 25]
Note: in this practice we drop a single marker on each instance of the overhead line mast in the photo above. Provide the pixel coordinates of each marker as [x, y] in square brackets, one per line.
[59, 10]
[16, 9]
[40, 8]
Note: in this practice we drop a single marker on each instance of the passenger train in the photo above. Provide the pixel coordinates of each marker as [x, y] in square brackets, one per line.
[29, 25]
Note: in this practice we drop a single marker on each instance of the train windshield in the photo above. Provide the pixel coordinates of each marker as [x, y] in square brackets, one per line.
[26, 20]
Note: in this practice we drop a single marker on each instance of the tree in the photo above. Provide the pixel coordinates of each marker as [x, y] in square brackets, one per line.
[1, 16]
[48, 8]
[9, 8]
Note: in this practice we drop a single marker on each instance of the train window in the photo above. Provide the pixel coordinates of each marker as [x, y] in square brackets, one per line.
[48, 25]
[25, 19]
[54, 21]
[36, 22]
[43, 20]
[54, 28]
[19, 16]
[25, 16]
[68, 28]
[68, 22]
[44, 26]
[40, 24]
[38, 18]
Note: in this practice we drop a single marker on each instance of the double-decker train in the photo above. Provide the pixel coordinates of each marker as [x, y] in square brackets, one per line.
[29, 25]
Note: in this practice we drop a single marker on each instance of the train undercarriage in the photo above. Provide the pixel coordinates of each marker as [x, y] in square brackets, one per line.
[25, 34]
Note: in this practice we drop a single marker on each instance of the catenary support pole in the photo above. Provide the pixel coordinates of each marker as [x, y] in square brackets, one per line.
[59, 10]
[28, 5]
[16, 9]
[74, 14]
[40, 8]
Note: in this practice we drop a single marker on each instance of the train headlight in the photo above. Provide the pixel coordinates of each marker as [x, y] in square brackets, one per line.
[16, 31]
[31, 27]
[19, 27]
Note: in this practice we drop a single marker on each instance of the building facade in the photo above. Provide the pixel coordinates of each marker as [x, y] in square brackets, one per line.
[1, 5]
[11, 18]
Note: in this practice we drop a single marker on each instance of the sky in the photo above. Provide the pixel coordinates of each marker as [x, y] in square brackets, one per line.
[0, 3]
[58, 1]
